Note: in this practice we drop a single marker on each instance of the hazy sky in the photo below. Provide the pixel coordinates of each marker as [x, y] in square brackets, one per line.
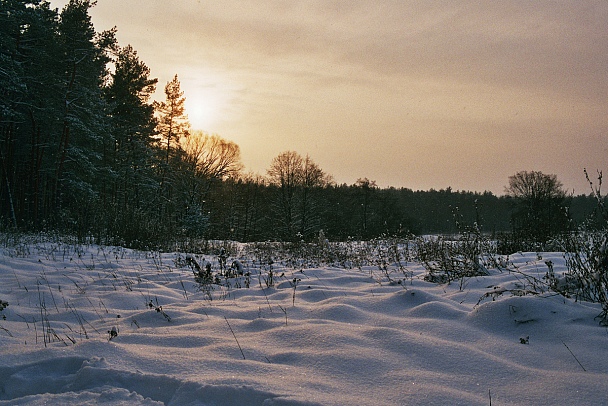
[417, 94]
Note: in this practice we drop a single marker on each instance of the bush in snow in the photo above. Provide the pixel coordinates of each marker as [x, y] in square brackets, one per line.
[447, 260]
[587, 257]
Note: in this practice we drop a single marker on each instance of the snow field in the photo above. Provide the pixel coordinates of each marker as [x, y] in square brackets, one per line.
[348, 336]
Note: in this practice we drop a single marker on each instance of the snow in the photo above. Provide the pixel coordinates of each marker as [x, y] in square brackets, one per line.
[348, 336]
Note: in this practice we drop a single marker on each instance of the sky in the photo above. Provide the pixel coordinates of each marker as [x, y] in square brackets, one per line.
[423, 95]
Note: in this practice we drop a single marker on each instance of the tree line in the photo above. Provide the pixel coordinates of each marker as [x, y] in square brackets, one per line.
[84, 150]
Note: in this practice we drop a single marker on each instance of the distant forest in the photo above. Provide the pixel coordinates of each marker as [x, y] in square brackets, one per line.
[84, 150]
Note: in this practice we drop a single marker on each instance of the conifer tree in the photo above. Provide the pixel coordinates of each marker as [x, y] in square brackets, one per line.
[27, 52]
[129, 152]
[52, 116]
[172, 119]
[172, 126]
[78, 146]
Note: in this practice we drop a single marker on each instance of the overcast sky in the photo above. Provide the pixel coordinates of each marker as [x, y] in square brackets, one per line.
[417, 94]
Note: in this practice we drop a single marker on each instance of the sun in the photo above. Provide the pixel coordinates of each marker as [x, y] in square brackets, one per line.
[203, 108]
[208, 98]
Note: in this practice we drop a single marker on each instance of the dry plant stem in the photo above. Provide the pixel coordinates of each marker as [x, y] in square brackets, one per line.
[184, 289]
[42, 305]
[284, 311]
[17, 279]
[294, 284]
[7, 332]
[570, 351]
[267, 301]
[234, 335]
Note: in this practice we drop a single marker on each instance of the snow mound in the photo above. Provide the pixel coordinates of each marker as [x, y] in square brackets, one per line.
[78, 381]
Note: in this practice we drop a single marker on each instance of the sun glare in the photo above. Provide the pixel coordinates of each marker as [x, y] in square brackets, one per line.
[207, 99]
[202, 109]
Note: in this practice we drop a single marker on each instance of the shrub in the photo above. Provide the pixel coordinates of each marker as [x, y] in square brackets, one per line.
[450, 260]
[586, 253]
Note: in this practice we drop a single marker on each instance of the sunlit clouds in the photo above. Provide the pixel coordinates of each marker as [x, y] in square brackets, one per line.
[411, 94]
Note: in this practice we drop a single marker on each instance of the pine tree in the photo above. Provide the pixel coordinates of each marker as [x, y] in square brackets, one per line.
[30, 104]
[129, 152]
[172, 126]
[16, 18]
[172, 119]
[78, 148]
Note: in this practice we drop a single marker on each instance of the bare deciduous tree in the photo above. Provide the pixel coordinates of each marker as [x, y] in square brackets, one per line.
[312, 177]
[208, 160]
[534, 185]
[213, 156]
[286, 173]
[296, 179]
[539, 202]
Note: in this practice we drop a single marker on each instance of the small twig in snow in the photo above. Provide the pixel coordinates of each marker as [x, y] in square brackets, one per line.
[574, 356]
[284, 311]
[234, 335]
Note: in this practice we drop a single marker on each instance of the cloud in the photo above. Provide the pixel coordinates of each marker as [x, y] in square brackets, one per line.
[537, 44]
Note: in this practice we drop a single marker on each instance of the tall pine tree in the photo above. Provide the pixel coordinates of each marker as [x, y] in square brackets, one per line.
[129, 152]
[172, 119]
[79, 143]
[172, 126]
[28, 105]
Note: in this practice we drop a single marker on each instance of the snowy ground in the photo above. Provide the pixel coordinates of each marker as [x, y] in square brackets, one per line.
[348, 337]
